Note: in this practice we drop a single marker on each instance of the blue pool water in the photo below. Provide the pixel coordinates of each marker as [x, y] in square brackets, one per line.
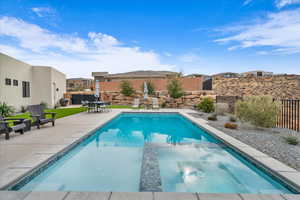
[186, 157]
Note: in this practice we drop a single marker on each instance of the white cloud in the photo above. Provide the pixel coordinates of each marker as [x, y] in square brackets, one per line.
[279, 30]
[43, 11]
[189, 58]
[283, 3]
[71, 54]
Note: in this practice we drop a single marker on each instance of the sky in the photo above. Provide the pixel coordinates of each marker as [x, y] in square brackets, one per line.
[78, 37]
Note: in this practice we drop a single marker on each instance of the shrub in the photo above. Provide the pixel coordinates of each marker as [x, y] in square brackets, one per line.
[260, 111]
[293, 140]
[63, 102]
[23, 109]
[44, 104]
[230, 125]
[222, 108]
[212, 117]
[175, 89]
[232, 119]
[150, 87]
[206, 105]
[164, 104]
[6, 110]
[126, 88]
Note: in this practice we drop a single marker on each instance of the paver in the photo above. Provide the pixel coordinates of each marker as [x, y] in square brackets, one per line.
[32, 161]
[275, 165]
[262, 197]
[219, 196]
[46, 195]
[131, 196]
[10, 175]
[174, 196]
[11, 195]
[291, 196]
[88, 196]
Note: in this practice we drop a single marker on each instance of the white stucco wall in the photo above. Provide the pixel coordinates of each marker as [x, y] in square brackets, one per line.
[58, 80]
[43, 80]
[41, 87]
[14, 69]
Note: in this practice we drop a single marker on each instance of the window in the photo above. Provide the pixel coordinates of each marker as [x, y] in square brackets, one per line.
[15, 82]
[7, 81]
[259, 74]
[26, 89]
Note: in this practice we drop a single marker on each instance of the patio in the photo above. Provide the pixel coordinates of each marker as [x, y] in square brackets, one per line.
[20, 155]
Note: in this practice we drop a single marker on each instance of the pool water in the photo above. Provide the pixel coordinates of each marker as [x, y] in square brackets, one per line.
[182, 156]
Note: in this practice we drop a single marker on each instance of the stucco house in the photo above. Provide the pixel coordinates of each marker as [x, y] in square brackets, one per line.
[22, 84]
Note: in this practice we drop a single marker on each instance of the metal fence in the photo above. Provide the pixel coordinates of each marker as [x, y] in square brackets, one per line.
[289, 116]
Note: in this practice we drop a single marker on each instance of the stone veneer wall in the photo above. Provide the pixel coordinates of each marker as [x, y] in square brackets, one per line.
[279, 86]
[189, 100]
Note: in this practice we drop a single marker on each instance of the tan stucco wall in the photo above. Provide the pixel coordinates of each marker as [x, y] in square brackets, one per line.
[41, 89]
[14, 69]
[46, 80]
[60, 82]
[43, 83]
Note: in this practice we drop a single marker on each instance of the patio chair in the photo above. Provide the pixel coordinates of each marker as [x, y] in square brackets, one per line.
[155, 104]
[136, 103]
[18, 126]
[39, 116]
[91, 107]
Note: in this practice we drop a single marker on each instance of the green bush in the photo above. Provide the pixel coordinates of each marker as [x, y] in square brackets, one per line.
[6, 110]
[206, 105]
[232, 119]
[212, 117]
[44, 104]
[150, 87]
[126, 88]
[175, 89]
[23, 109]
[260, 111]
[293, 140]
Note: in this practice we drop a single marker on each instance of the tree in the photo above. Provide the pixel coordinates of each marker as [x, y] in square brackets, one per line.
[126, 88]
[150, 87]
[175, 88]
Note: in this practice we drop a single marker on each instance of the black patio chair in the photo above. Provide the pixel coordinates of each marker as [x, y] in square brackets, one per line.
[18, 126]
[92, 107]
[39, 116]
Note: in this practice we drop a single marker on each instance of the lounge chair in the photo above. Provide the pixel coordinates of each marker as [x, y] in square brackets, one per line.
[136, 103]
[18, 126]
[39, 116]
[155, 104]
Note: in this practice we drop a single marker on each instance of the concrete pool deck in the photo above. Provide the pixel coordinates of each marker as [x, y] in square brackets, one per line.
[23, 153]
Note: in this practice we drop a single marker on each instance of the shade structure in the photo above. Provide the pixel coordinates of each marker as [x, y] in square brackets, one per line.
[145, 90]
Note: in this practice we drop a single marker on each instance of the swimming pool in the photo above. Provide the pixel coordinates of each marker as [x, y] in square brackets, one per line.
[153, 152]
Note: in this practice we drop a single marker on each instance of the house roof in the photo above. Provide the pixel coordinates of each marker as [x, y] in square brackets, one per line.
[224, 73]
[79, 79]
[148, 73]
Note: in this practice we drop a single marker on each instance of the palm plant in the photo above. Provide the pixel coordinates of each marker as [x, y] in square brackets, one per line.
[6, 110]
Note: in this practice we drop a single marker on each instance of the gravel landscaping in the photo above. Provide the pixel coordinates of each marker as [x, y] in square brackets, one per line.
[269, 141]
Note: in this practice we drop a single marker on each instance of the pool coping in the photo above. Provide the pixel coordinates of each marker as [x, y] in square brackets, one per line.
[289, 176]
